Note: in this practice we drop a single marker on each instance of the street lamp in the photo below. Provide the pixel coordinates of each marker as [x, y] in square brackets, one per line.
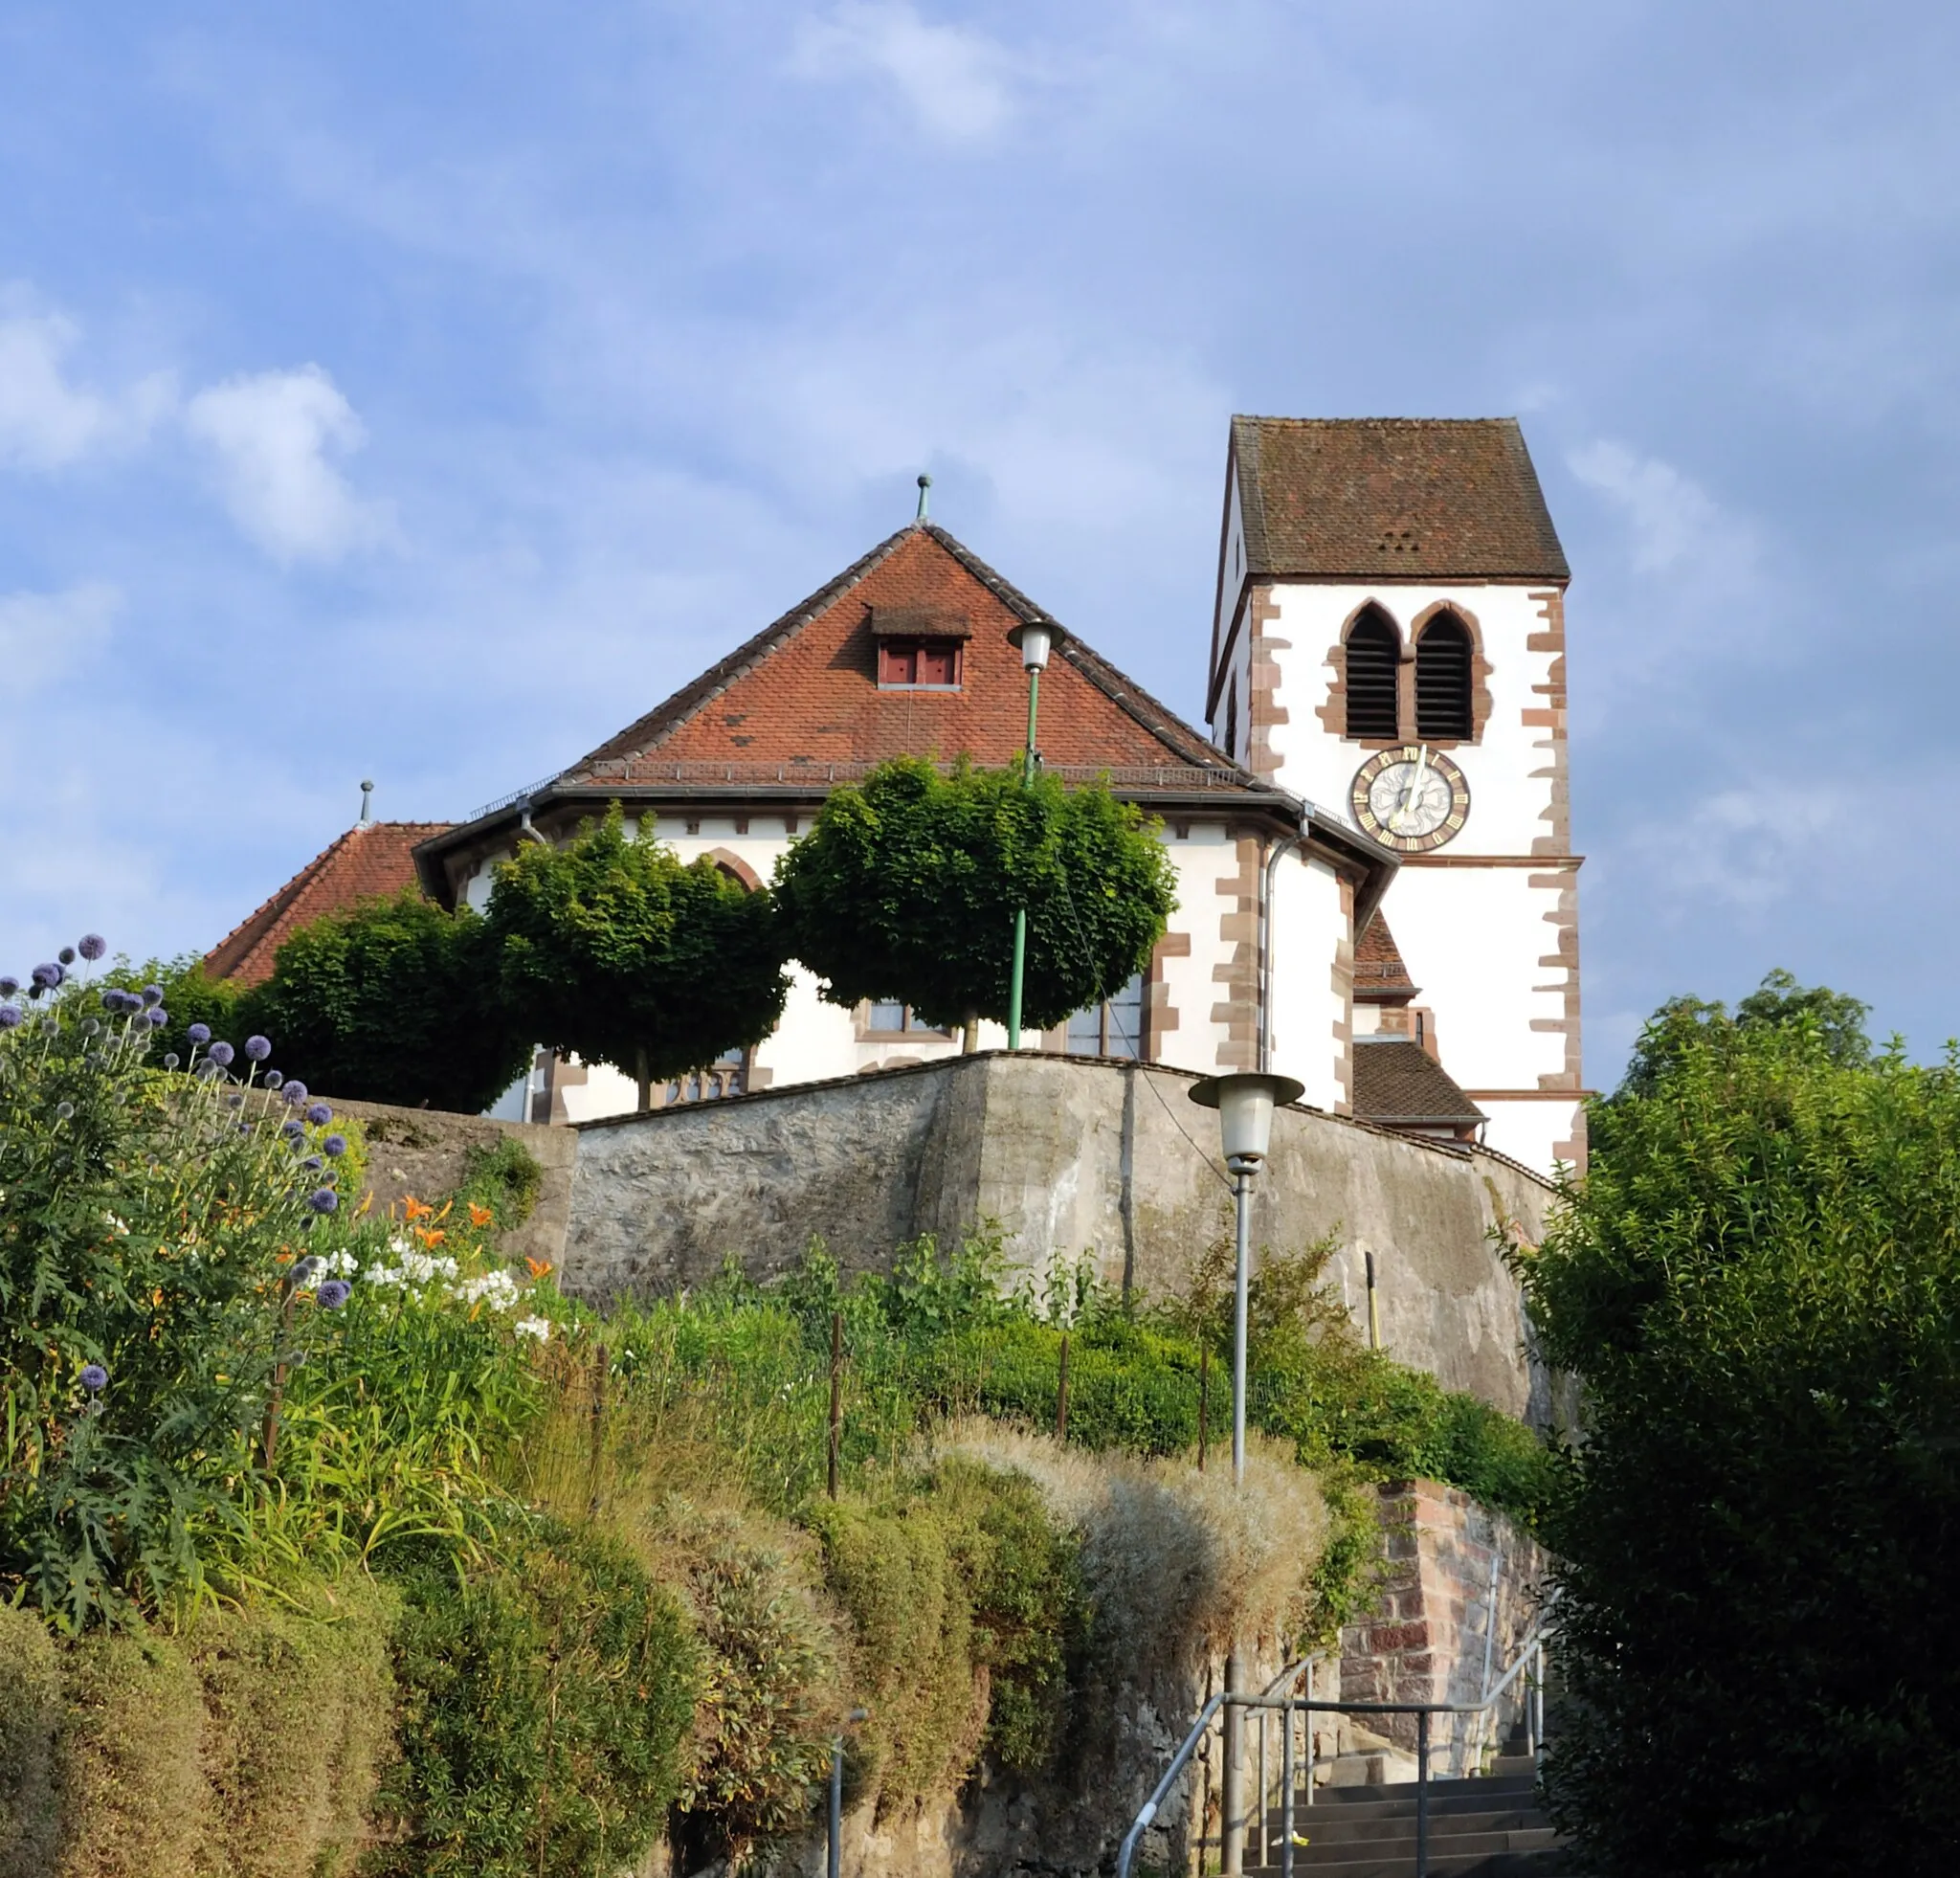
[1034, 641]
[1245, 1103]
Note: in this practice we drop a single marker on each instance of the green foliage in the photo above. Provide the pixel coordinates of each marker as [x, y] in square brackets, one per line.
[544, 1700]
[907, 887]
[948, 1573]
[1757, 1283]
[393, 1001]
[613, 948]
[146, 1229]
[506, 1179]
[1684, 1026]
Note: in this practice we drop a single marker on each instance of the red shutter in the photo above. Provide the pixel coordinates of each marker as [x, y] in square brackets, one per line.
[896, 663]
[935, 663]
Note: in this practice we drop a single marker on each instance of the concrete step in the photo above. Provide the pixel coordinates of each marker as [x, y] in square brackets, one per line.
[1508, 1790]
[1323, 1825]
[1522, 1862]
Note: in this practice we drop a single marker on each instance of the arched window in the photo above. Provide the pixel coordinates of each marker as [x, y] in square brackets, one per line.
[1374, 648]
[1442, 679]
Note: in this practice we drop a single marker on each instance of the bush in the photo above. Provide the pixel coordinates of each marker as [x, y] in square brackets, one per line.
[544, 1700]
[1757, 1282]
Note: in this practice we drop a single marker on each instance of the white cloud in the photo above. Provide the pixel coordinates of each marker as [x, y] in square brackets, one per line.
[45, 635]
[1751, 847]
[47, 420]
[1675, 524]
[277, 435]
[955, 80]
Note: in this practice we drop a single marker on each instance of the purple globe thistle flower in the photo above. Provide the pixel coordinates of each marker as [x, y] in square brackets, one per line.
[93, 945]
[66, 955]
[152, 993]
[172, 1060]
[320, 1114]
[10, 1015]
[259, 1048]
[206, 1070]
[9, 984]
[64, 1112]
[334, 1293]
[292, 1130]
[199, 1032]
[47, 976]
[314, 1162]
[93, 1379]
[234, 1102]
[302, 1272]
[273, 1079]
[222, 1054]
[158, 1017]
[296, 1093]
[334, 1147]
[324, 1199]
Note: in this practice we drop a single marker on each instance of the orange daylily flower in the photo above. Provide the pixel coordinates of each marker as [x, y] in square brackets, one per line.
[539, 1267]
[413, 1209]
[480, 1216]
[428, 1236]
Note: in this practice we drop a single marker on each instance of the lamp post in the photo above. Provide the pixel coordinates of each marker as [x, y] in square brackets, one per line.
[1034, 641]
[1245, 1103]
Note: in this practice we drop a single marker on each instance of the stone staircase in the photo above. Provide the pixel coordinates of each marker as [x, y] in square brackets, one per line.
[1491, 1826]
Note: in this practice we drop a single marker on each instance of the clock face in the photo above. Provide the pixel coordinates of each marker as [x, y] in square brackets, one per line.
[1410, 799]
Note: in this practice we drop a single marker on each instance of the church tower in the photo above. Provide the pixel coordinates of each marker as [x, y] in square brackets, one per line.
[1389, 643]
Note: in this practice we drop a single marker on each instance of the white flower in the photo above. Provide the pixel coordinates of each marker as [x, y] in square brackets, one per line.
[382, 1275]
[341, 1265]
[533, 1327]
[495, 1288]
[121, 1227]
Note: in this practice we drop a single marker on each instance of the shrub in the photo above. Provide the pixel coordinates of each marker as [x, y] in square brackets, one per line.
[543, 1701]
[1757, 1282]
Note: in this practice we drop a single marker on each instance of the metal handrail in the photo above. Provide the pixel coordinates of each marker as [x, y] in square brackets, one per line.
[1291, 1705]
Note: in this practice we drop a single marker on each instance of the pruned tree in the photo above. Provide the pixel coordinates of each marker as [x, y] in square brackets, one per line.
[392, 1000]
[614, 947]
[907, 887]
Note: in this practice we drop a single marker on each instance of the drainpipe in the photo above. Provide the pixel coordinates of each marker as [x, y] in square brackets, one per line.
[1273, 856]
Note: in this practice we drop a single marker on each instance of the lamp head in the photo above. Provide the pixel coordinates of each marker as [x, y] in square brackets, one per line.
[1245, 1103]
[1035, 640]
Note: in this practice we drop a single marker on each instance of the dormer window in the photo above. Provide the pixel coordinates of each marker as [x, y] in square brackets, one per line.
[918, 649]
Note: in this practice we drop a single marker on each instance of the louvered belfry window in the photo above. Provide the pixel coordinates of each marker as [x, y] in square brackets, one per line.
[1442, 679]
[1373, 646]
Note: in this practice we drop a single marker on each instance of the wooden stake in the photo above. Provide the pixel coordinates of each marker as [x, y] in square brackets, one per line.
[1204, 1402]
[1061, 1396]
[836, 1400]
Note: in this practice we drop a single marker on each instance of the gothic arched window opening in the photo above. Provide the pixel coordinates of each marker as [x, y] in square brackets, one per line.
[1373, 650]
[1442, 679]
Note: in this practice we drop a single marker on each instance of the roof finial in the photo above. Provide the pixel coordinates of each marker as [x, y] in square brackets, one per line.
[924, 490]
[367, 803]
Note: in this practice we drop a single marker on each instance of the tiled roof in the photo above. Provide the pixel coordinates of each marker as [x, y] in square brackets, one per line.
[1361, 497]
[802, 698]
[1399, 1082]
[369, 860]
[1380, 978]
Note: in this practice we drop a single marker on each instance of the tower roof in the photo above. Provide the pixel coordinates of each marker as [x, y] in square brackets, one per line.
[1368, 497]
[1380, 978]
[1398, 1083]
[369, 861]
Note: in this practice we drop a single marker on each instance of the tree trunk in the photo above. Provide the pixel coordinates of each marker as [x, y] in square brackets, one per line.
[642, 1076]
[969, 1037]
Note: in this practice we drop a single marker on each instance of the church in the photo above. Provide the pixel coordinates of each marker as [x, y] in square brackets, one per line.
[1375, 883]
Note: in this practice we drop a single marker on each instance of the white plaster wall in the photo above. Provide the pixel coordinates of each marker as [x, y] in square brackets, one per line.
[1472, 938]
[1507, 771]
[1201, 860]
[1537, 1133]
[1308, 926]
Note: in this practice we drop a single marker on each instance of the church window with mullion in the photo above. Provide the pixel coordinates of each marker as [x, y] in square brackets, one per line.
[1443, 680]
[1375, 650]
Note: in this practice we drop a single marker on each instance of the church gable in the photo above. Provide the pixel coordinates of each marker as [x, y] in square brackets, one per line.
[906, 653]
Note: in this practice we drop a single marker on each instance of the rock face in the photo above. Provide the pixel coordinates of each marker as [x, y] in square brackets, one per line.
[1070, 1156]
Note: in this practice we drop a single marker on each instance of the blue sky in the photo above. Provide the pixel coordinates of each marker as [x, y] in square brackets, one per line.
[422, 393]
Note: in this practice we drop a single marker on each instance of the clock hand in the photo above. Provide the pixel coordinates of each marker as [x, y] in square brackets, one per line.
[1410, 800]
